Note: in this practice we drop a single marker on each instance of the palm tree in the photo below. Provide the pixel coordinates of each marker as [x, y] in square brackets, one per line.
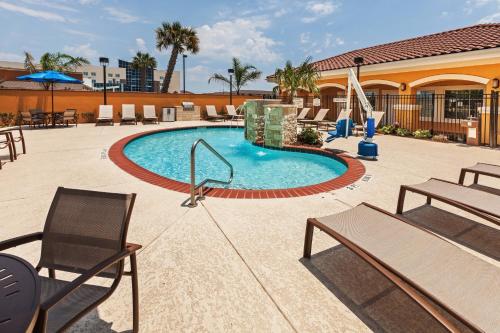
[290, 79]
[142, 62]
[60, 62]
[180, 39]
[243, 74]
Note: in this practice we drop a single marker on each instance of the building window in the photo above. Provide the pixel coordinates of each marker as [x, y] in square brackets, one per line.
[85, 73]
[110, 75]
[161, 77]
[117, 75]
[93, 73]
[461, 104]
[425, 98]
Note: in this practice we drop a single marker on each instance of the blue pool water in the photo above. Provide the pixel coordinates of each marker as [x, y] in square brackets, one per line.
[168, 154]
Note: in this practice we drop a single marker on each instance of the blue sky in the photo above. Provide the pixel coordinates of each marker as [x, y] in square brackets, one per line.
[264, 33]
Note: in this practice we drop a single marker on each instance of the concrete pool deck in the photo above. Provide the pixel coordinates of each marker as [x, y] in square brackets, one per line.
[229, 264]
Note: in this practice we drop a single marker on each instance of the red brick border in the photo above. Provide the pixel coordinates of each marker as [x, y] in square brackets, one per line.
[355, 170]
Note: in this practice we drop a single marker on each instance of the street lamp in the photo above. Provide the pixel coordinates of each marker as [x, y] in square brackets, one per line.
[104, 62]
[184, 56]
[358, 61]
[231, 72]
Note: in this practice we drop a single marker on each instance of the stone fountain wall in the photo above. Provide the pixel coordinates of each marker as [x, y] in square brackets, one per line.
[254, 118]
[280, 127]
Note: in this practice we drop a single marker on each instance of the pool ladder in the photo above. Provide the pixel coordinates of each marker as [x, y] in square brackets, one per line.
[194, 187]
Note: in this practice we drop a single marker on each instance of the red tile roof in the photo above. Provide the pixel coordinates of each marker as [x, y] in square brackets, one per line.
[477, 37]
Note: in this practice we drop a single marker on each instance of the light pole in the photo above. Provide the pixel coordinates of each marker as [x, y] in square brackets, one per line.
[104, 62]
[184, 73]
[231, 72]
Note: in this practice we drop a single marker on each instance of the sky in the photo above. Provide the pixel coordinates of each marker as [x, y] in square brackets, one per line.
[264, 33]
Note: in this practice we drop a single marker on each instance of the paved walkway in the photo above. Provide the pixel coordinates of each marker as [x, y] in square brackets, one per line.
[230, 265]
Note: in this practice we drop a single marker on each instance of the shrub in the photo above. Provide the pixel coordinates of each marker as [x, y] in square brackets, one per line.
[6, 119]
[387, 129]
[88, 116]
[440, 138]
[309, 136]
[403, 132]
[422, 134]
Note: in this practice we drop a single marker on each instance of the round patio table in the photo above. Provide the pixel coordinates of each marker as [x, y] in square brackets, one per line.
[19, 294]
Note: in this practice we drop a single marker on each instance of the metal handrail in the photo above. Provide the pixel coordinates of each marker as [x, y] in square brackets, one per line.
[195, 187]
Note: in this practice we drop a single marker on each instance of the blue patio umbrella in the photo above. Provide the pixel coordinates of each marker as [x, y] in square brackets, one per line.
[51, 77]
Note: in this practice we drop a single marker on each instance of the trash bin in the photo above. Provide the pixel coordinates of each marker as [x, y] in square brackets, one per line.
[168, 114]
[472, 130]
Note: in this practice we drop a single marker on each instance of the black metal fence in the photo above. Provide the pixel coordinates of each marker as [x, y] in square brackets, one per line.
[444, 114]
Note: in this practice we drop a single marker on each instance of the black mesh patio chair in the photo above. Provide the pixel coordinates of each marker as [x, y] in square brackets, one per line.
[85, 233]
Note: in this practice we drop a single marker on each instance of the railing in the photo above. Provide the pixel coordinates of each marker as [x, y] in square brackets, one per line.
[199, 187]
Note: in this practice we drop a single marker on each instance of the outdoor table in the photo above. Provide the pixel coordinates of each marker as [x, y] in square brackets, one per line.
[19, 294]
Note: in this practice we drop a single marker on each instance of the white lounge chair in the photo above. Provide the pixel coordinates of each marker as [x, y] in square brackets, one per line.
[377, 115]
[149, 114]
[212, 114]
[105, 114]
[320, 116]
[303, 113]
[232, 114]
[128, 114]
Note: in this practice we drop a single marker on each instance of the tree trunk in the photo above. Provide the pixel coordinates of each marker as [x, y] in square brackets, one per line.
[170, 70]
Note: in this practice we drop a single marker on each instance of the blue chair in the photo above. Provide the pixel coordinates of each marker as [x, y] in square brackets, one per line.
[340, 131]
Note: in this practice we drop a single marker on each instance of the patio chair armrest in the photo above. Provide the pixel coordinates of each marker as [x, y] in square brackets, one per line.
[16, 241]
[92, 272]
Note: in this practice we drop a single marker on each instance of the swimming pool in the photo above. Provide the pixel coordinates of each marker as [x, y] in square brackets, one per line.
[167, 154]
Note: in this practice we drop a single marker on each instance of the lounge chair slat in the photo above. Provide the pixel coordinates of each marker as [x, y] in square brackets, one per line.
[461, 282]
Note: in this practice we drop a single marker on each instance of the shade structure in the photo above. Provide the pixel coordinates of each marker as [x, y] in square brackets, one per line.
[51, 77]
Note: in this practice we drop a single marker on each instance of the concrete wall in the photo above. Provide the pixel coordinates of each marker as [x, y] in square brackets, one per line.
[13, 101]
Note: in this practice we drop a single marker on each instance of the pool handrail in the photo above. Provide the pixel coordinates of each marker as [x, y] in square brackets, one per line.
[195, 187]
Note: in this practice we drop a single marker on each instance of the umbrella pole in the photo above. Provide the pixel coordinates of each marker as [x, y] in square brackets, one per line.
[53, 119]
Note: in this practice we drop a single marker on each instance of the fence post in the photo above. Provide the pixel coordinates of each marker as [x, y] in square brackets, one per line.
[433, 103]
[493, 119]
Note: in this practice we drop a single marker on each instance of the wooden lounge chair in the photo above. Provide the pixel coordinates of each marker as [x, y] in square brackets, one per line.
[377, 115]
[85, 233]
[212, 114]
[149, 114]
[128, 114]
[438, 275]
[480, 203]
[69, 116]
[105, 115]
[484, 169]
[303, 114]
[320, 116]
[232, 114]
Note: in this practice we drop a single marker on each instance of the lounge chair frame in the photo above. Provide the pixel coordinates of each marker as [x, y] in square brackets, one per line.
[150, 119]
[405, 285]
[128, 250]
[126, 119]
[488, 216]
[476, 173]
[214, 117]
[108, 120]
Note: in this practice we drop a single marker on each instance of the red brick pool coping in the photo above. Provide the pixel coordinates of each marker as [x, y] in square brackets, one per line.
[355, 170]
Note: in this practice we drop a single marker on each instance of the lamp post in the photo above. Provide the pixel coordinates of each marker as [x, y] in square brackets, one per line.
[184, 73]
[231, 72]
[358, 61]
[104, 62]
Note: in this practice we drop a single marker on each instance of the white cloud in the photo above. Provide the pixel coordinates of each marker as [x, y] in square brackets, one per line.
[6, 56]
[495, 17]
[80, 33]
[50, 4]
[198, 73]
[471, 5]
[82, 50]
[141, 45]
[120, 15]
[242, 38]
[88, 2]
[280, 12]
[305, 37]
[319, 9]
[44, 15]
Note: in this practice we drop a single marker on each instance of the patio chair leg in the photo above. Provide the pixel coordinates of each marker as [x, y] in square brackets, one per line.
[401, 200]
[13, 146]
[308, 240]
[462, 177]
[135, 292]
[476, 178]
[52, 273]
[23, 144]
[429, 200]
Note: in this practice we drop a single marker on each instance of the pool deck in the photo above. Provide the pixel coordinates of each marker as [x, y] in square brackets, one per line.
[230, 264]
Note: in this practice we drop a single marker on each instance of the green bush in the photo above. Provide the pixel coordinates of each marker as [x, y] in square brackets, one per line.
[309, 136]
[6, 119]
[387, 129]
[422, 134]
[403, 132]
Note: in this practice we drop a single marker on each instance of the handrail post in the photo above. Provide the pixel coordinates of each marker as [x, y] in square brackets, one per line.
[193, 180]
